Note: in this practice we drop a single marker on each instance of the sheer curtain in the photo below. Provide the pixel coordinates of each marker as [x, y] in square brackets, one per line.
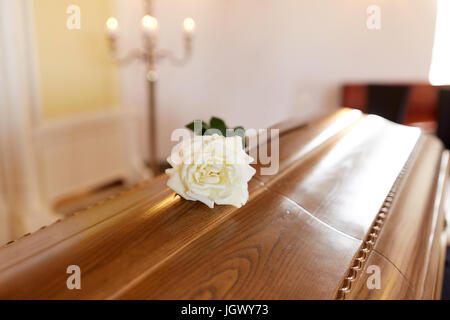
[21, 206]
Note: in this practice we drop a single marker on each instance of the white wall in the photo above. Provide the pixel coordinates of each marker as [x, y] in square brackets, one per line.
[257, 62]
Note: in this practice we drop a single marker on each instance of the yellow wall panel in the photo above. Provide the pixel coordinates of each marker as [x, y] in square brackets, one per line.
[76, 74]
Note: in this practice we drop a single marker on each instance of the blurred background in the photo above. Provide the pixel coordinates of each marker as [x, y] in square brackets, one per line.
[90, 92]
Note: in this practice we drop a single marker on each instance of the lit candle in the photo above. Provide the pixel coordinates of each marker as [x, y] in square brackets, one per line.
[112, 25]
[149, 25]
[189, 25]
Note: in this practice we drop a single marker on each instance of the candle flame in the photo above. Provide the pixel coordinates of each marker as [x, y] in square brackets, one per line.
[149, 22]
[189, 24]
[112, 24]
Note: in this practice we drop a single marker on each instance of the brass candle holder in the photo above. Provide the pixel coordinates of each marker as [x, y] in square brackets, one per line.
[150, 54]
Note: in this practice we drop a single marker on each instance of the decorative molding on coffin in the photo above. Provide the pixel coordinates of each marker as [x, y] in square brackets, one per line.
[428, 283]
[167, 238]
[374, 231]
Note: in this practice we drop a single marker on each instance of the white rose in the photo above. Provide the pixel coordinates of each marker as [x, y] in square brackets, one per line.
[211, 169]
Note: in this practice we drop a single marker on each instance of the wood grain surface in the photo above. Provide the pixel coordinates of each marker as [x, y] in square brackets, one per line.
[352, 191]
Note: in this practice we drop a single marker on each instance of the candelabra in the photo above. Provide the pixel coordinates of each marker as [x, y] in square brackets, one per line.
[150, 54]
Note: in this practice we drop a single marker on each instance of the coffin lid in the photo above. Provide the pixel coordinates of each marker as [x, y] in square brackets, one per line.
[353, 193]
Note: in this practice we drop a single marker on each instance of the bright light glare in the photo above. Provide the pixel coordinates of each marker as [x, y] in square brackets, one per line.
[440, 62]
[112, 24]
[149, 22]
[189, 24]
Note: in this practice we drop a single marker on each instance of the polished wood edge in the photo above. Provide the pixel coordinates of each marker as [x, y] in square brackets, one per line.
[349, 119]
[370, 239]
[298, 123]
[437, 231]
[440, 277]
[138, 186]
[343, 119]
[443, 181]
[349, 115]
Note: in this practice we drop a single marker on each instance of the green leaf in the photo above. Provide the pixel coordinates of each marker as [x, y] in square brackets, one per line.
[191, 126]
[219, 124]
[240, 131]
[205, 127]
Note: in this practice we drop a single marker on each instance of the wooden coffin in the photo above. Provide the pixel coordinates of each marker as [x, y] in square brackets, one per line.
[353, 191]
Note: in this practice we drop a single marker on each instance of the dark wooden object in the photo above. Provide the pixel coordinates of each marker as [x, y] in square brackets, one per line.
[352, 191]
